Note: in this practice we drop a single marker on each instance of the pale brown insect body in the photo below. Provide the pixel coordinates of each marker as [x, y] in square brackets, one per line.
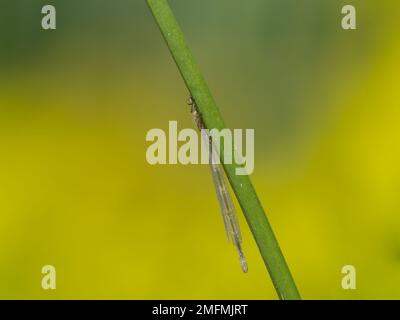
[222, 188]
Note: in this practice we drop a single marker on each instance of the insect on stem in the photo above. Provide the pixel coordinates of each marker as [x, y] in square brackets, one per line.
[222, 188]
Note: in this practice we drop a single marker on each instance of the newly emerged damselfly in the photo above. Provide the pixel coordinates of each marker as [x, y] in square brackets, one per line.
[221, 186]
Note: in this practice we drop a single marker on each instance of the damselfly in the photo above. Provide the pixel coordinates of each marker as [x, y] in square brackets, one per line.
[221, 186]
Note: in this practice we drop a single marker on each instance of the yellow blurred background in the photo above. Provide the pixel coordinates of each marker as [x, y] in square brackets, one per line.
[76, 191]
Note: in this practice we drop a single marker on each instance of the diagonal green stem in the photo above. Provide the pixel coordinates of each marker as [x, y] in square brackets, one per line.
[241, 185]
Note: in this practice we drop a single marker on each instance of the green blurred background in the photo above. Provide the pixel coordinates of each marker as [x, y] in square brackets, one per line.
[76, 190]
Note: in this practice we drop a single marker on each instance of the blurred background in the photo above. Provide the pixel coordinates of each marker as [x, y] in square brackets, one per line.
[76, 191]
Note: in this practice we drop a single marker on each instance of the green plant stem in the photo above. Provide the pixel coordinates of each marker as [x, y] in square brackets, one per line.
[241, 185]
